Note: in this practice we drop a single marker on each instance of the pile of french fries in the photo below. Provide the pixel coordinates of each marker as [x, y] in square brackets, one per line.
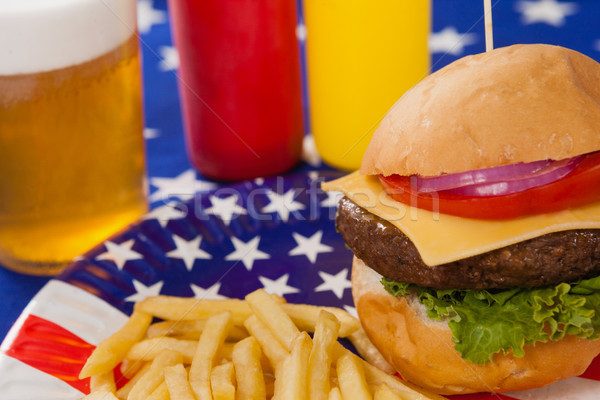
[257, 348]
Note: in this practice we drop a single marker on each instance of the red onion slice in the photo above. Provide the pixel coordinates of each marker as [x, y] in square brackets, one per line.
[486, 175]
[497, 181]
[553, 172]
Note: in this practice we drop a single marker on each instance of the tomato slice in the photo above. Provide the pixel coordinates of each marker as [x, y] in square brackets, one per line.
[580, 187]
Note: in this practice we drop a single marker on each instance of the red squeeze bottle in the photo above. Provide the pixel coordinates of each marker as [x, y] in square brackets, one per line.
[239, 85]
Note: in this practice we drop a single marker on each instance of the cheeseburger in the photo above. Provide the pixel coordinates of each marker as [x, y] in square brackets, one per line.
[475, 223]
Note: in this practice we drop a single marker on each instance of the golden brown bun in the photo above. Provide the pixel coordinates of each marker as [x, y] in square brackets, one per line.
[514, 104]
[422, 350]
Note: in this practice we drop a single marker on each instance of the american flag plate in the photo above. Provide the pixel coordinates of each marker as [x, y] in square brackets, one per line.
[276, 233]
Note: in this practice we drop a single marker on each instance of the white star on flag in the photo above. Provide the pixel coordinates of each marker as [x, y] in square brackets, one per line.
[246, 252]
[208, 293]
[188, 251]
[225, 208]
[143, 291]
[336, 283]
[309, 246]
[449, 41]
[170, 58]
[278, 286]
[332, 200]
[148, 16]
[282, 204]
[549, 12]
[183, 186]
[151, 133]
[120, 253]
[170, 211]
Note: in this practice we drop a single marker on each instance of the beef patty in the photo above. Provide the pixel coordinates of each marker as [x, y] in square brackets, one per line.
[549, 259]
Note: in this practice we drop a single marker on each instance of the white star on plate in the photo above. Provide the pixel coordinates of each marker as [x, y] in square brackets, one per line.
[336, 283]
[183, 186]
[449, 41]
[120, 253]
[225, 208]
[597, 45]
[164, 214]
[188, 251]
[147, 16]
[278, 286]
[310, 247]
[170, 58]
[283, 204]
[332, 200]
[151, 133]
[208, 293]
[309, 151]
[549, 12]
[246, 252]
[143, 291]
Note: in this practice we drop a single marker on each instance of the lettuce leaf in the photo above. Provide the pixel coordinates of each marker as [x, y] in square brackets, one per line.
[484, 322]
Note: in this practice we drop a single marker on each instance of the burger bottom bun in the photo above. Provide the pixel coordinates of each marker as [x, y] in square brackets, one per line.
[422, 351]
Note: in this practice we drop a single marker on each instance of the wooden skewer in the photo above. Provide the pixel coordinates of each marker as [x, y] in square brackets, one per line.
[489, 34]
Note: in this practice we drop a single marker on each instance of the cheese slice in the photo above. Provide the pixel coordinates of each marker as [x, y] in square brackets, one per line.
[442, 238]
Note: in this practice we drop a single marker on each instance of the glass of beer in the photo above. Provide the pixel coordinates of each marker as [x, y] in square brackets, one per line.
[72, 169]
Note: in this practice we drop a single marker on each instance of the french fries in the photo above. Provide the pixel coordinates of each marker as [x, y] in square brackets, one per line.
[148, 349]
[368, 351]
[123, 392]
[257, 348]
[383, 392]
[160, 393]
[249, 373]
[272, 315]
[213, 337]
[290, 382]
[274, 350]
[103, 382]
[189, 329]
[335, 394]
[114, 348]
[320, 359]
[222, 381]
[190, 309]
[176, 378]
[352, 378]
[154, 377]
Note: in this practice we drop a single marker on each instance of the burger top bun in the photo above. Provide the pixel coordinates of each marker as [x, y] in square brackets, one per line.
[422, 350]
[514, 104]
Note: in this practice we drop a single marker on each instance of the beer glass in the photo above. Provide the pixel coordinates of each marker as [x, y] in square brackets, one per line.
[71, 144]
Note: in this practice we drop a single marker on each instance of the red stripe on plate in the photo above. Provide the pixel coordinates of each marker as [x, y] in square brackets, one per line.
[53, 350]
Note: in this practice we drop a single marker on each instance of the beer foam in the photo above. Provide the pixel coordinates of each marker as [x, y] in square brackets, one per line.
[44, 35]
